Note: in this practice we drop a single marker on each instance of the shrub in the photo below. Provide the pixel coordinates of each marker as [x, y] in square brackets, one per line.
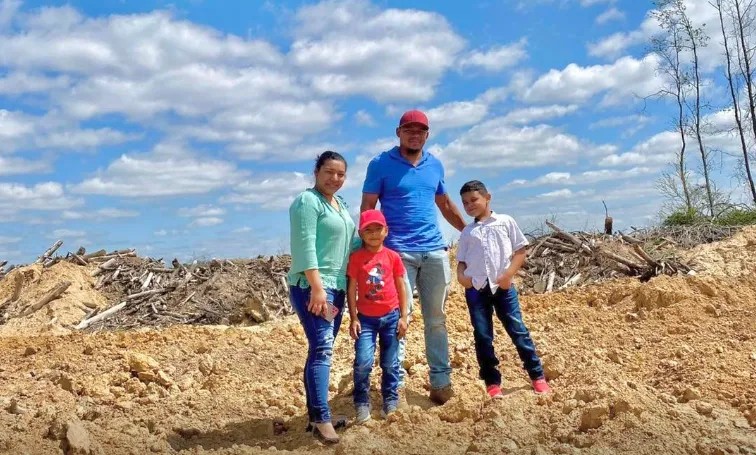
[737, 217]
[683, 218]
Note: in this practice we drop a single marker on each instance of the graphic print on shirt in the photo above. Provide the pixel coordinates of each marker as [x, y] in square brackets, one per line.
[375, 282]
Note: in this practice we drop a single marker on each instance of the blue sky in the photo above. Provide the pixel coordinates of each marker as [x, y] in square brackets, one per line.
[184, 129]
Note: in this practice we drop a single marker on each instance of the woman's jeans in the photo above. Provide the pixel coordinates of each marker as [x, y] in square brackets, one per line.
[384, 329]
[320, 335]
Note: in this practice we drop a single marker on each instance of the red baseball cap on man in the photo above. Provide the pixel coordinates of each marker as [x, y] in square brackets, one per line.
[414, 116]
[373, 216]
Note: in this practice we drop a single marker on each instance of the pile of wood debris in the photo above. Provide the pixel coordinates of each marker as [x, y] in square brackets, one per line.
[145, 292]
[561, 259]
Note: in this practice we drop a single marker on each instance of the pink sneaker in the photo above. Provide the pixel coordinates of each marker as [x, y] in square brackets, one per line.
[540, 386]
[494, 391]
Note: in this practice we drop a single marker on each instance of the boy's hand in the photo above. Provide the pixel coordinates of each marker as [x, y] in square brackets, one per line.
[401, 328]
[354, 329]
[464, 280]
[504, 281]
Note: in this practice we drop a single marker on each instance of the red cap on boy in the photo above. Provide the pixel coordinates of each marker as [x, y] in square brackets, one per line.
[372, 217]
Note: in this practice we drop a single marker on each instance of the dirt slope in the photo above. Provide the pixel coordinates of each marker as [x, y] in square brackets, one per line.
[665, 367]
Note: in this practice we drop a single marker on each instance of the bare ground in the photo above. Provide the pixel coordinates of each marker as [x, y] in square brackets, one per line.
[664, 367]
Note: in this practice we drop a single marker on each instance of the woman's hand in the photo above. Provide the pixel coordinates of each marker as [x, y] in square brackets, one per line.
[354, 329]
[317, 304]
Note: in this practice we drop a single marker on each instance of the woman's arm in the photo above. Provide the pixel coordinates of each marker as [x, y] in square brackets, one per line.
[303, 220]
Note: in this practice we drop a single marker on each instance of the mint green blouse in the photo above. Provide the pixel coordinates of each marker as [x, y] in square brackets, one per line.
[321, 238]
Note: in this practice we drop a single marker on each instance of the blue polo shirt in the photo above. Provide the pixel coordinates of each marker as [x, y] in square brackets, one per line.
[407, 195]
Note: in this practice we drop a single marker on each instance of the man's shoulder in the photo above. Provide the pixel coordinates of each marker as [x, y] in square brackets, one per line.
[382, 157]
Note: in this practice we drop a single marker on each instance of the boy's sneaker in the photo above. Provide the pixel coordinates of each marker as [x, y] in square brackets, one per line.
[388, 410]
[494, 391]
[540, 386]
[363, 414]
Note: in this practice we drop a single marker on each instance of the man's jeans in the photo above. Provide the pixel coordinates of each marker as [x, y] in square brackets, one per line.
[482, 303]
[432, 274]
[384, 328]
[320, 335]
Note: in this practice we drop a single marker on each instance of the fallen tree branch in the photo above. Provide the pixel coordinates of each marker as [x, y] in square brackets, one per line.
[101, 316]
[49, 297]
[50, 251]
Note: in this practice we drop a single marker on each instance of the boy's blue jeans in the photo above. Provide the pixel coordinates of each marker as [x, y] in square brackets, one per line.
[320, 335]
[431, 272]
[383, 328]
[482, 303]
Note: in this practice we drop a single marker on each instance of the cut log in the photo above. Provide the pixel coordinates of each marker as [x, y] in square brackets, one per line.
[620, 259]
[576, 241]
[96, 254]
[18, 284]
[570, 282]
[49, 297]
[645, 256]
[79, 260]
[147, 293]
[99, 317]
[147, 281]
[50, 251]
[108, 265]
[550, 284]
[631, 240]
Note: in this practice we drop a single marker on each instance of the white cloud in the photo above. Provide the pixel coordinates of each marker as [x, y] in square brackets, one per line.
[273, 192]
[612, 14]
[620, 82]
[583, 178]
[497, 58]
[498, 144]
[586, 3]
[66, 233]
[362, 117]
[614, 45]
[539, 113]
[11, 166]
[84, 139]
[456, 114]
[15, 197]
[354, 48]
[5, 240]
[201, 211]
[105, 213]
[242, 230]
[167, 171]
[8, 10]
[16, 83]
[206, 222]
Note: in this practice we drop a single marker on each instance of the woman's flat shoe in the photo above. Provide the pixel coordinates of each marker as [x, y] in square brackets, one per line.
[316, 432]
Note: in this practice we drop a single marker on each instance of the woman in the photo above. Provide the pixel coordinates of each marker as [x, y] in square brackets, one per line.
[321, 236]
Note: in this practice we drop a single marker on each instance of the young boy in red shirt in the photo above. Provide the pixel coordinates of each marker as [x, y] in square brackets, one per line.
[378, 309]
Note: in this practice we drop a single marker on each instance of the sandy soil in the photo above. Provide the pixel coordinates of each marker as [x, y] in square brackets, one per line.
[664, 367]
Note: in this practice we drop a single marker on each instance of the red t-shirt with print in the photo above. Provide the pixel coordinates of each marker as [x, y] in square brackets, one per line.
[374, 274]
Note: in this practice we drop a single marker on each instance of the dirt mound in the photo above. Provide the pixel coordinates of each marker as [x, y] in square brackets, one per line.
[734, 256]
[58, 315]
[662, 367]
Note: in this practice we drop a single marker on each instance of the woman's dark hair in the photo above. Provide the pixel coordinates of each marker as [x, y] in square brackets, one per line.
[328, 156]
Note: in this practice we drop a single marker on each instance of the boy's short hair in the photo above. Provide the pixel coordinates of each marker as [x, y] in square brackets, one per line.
[473, 185]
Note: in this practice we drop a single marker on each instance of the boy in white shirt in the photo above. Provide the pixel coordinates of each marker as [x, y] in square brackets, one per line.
[491, 249]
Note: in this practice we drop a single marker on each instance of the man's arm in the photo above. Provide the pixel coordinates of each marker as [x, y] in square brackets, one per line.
[449, 210]
[369, 201]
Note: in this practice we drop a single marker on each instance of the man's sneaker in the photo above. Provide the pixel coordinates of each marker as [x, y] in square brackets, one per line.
[442, 395]
[388, 410]
[494, 391]
[363, 414]
[540, 385]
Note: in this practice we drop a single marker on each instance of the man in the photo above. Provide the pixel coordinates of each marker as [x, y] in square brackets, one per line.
[409, 183]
